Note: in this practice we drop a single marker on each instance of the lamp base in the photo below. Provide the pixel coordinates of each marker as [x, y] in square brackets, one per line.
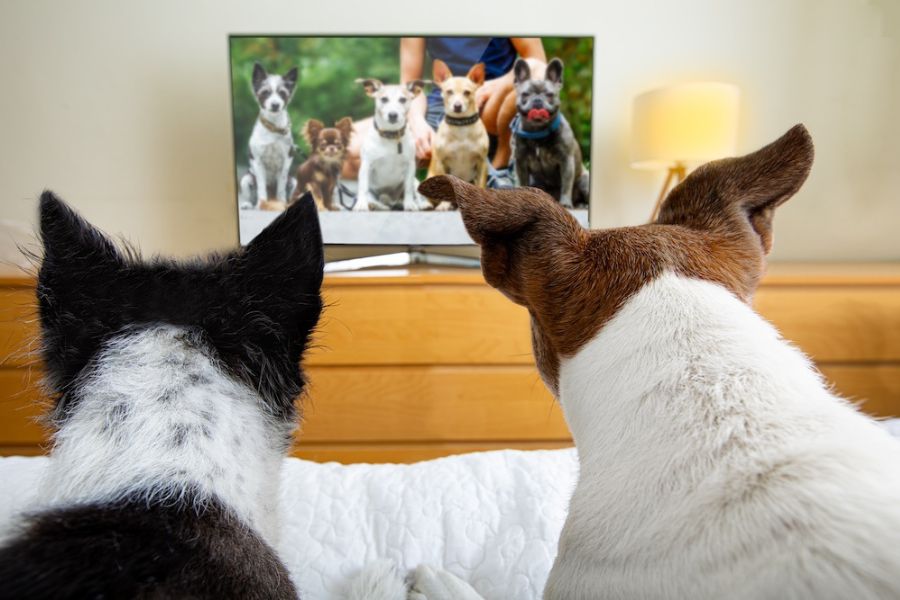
[678, 171]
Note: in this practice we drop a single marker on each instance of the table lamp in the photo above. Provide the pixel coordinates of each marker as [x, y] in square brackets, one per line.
[682, 124]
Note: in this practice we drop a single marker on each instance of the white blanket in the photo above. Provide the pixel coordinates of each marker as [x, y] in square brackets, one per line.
[492, 518]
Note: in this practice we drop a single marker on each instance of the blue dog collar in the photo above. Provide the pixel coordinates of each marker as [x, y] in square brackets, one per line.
[552, 127]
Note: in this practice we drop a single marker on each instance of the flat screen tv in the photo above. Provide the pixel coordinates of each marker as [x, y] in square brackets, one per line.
[359, 121]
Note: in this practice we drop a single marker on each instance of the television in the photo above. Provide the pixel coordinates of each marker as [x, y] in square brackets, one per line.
[359, 121]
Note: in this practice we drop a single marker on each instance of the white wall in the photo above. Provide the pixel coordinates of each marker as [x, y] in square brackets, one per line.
[123, 107]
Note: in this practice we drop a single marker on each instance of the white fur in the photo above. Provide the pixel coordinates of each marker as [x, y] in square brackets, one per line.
[121, 440]
[714, 463]
[380, 580]
[381, 164]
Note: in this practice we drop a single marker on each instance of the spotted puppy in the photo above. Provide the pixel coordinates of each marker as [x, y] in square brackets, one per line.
[715, 462]
[271, 146]
[174, 387]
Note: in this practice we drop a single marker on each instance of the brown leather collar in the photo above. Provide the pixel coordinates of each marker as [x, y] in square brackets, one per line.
[391, 135]
[273, 127]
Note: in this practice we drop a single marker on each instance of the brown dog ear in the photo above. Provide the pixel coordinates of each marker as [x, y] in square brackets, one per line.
[371, 86]
[476, 73]
[731, 193]
[311, 131]
[415, 86]
[440, 72]
[515, 228]
[345, 126]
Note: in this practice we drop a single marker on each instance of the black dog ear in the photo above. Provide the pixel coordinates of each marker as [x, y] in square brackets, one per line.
[555, 71]
[521, 70]
[290, 78]
[78, 272]
[287, 257]
[259, 75]
[69, 241]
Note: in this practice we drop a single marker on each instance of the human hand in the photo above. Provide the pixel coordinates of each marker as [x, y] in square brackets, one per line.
[423, 135]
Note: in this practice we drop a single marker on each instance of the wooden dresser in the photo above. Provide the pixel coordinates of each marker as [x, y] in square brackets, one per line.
[417, 364]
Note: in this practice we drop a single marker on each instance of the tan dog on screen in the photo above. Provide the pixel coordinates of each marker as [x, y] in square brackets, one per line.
[461, 143]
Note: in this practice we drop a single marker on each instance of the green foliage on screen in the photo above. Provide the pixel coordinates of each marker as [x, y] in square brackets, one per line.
[329, 67]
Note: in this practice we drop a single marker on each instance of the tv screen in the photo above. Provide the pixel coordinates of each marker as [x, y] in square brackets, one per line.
[359, 121]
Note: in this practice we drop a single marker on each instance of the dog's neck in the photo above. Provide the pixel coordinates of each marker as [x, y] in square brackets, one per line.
[277, 122]
[461, 121]
[681, 356]
[524, 129]
[157, 420]
[390, 131]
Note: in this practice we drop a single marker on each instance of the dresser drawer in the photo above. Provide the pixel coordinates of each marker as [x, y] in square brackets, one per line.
[18, 326]
[421, 403]
[836, 324]
[421, 325]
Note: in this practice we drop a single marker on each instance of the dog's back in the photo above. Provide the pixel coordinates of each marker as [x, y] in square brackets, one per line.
[174, 388]
[714, 461]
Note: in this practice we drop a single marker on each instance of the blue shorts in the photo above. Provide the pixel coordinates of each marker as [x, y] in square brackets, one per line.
[434, 114]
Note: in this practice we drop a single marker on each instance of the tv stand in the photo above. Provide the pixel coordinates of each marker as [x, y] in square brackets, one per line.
[413, 256]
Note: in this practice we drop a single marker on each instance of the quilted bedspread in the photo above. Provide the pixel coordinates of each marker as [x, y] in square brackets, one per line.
[492, 518]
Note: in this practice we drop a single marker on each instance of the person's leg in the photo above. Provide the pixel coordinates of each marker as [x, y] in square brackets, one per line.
[505, 115]
[350, 170]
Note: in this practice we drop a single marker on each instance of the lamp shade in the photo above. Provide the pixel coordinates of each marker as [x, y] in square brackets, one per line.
[686, 123]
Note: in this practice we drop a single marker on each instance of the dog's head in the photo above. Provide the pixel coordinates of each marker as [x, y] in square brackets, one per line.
[391, 101]
[253, 309]
[458, 93]
[329, 143]
[537, 99]
[273, 92]
[715, 225]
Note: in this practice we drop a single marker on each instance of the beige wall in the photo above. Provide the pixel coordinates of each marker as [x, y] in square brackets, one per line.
[123, 107]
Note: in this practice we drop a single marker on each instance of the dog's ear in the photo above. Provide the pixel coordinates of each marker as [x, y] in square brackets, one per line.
[741, 194]
[440, 71]
[80, 266]
[515, 228]
[372, 86]
[415, 87]
[476, 73]
[311, 131]
[290, 79]
[555, 71]
[259, 75]
[521, 70]
[345, 126]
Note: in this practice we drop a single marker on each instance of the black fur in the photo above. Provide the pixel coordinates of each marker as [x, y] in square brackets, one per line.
[133, 550]
[256, 307]
[254, 310]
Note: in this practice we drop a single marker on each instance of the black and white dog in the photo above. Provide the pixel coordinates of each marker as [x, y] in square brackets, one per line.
[272, 142]
[175, 388]
[547, 155]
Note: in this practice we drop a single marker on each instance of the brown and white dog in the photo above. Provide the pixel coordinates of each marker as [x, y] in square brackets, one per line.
[714, 460]
[319, 173]
[461, 143]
